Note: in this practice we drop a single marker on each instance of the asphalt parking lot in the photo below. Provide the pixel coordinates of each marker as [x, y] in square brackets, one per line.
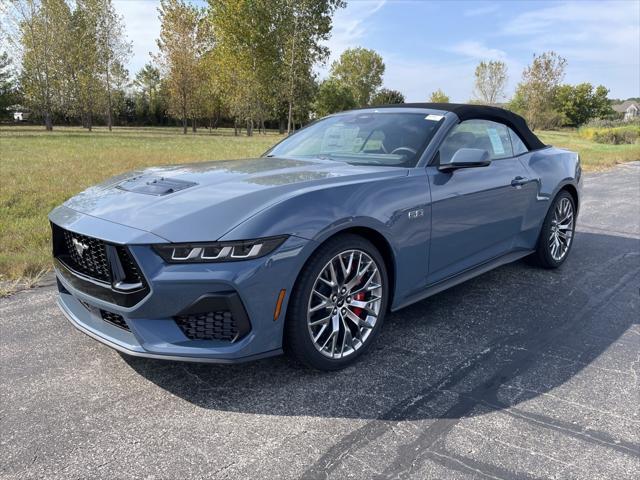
[520, 373]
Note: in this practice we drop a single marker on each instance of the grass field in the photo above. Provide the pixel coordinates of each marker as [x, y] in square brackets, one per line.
[39, 170]
[594, 156]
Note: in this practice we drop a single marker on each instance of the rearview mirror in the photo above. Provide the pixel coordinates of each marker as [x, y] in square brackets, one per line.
[467, 158]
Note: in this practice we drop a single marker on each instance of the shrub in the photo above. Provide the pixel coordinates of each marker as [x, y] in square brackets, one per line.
[617, 136]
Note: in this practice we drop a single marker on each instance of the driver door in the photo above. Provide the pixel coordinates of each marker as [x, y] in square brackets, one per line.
[476, 212]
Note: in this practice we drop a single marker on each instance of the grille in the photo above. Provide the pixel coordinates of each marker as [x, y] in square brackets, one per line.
[209, 326]
[93, 261]
[114, 319]
[119, 278]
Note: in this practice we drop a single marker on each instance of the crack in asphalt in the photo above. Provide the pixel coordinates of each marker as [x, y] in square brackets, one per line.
[467, 465]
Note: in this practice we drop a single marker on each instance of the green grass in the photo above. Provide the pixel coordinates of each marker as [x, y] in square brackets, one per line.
[594, 156]
[39, 170]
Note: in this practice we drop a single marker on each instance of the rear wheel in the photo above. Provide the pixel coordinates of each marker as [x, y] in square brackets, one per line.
[556, 237]
[338, 304]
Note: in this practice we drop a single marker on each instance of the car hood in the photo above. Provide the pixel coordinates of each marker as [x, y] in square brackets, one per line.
[203, 201]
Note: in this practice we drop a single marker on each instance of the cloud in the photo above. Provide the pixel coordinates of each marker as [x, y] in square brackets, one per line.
[606, 32]
[477, 50]
[142, 29]
[598, 39]
[350, 27]
[569, 14]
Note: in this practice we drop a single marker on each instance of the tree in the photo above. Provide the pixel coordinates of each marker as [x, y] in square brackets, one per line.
[149, 100]
[247, 57]
[8, 84]
[387, 97]
[209, 95]
[333, 96]
[304, 25]
[72, 60]
[86, 92]
[601, 104]
[535, 95]
[118, 92]
[361, 70]
[179, 45]
[581, 103]
[41, 25]
[438, 97]
[112, 50]
[491, 80]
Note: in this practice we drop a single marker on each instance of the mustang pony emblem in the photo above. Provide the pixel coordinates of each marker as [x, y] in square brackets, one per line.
[79, 246]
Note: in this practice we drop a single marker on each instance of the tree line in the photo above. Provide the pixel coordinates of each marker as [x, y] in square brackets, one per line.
[72, 59]
[250, 64]
[540, 96]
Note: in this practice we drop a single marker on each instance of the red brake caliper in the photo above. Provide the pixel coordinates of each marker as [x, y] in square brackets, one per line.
[358, 296]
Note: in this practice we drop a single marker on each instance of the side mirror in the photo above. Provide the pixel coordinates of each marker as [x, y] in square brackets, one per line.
[467, 158]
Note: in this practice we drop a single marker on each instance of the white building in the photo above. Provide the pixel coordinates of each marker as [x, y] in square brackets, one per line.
[20, 116]
[629, 109]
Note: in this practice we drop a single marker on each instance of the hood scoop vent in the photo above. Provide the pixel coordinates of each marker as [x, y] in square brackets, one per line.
[158, 186]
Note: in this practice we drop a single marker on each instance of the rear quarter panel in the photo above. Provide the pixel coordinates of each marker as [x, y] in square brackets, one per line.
[552, 169]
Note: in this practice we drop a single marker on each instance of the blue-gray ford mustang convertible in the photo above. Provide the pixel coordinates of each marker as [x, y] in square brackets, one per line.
[308, 247]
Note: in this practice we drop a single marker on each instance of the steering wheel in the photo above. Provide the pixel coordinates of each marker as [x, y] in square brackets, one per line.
[406, 149]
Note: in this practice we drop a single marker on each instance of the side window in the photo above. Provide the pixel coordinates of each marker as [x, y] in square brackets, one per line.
[484, 134]
[518, 145]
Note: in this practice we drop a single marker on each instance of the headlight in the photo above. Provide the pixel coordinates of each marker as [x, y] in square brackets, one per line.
[218, 251]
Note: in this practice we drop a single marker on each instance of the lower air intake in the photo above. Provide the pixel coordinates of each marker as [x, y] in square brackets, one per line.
[114, 319]
[209, 326]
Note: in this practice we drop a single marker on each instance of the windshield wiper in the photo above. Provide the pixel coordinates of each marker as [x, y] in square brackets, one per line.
[324, 156]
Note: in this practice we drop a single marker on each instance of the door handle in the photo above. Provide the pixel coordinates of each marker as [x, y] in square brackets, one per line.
[519, 181]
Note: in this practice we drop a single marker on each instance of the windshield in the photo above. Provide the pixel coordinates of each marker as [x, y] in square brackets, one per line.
[374, 138]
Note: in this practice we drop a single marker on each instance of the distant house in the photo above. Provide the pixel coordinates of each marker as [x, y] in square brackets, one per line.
[20, 116]
[20, 113]
[629, 109]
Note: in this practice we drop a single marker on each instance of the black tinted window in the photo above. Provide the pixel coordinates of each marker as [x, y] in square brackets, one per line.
[483, 134]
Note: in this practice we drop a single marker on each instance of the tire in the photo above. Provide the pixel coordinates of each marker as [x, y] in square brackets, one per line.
[546, 256]
[341, 307]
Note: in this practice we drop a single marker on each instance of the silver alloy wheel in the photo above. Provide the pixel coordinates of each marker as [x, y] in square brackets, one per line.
[344, 304]
[561, 229]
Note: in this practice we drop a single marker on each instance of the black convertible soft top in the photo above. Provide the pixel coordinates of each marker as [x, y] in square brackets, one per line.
[482, 112]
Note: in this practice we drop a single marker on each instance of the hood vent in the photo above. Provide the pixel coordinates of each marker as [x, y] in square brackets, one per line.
[154, 186]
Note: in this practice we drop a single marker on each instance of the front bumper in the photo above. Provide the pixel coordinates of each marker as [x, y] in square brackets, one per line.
[151, 329]
[130, 346]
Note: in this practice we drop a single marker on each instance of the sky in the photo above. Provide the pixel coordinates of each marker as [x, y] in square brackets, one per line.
[427, 45]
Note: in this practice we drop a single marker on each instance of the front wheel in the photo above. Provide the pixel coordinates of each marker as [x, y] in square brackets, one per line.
[556, 237]
[338, 304]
